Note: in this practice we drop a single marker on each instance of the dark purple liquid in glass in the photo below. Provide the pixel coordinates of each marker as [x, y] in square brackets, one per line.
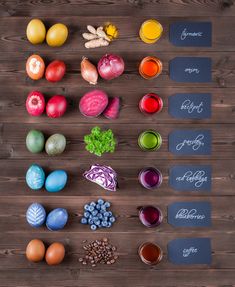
[150, 177]
[150, 216]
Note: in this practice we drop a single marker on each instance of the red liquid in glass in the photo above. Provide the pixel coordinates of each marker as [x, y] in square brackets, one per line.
[150, 177]
[150, 104]
[150, 216]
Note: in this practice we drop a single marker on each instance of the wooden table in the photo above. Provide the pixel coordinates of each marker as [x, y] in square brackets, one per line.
[127, 233]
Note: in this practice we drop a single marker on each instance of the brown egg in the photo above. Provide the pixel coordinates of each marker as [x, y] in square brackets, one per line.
[35, 250]
[55, 253]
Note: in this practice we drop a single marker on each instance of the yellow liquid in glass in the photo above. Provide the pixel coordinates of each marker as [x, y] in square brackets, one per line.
[150, 31]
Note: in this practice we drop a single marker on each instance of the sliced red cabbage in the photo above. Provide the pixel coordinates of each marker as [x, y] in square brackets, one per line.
[102, 175]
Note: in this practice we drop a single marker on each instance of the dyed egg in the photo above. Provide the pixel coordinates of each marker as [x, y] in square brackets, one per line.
[35, 103]
[36, 215]
[57, 219]
[55, 144]
[35, 141]
[36, 31]
[35, 177]
[35, 250]
[57, 35]
[35, 67]
[56, 181]
[55, 253]
[56, 106]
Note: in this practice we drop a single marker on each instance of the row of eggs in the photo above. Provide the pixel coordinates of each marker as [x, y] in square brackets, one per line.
[54, 182]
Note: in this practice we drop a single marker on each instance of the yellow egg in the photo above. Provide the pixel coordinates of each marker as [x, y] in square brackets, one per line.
[36, 31]
[57, 35]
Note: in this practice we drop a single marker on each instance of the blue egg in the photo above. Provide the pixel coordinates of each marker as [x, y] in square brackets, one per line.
[56, 181]
[35, 177]
[36, 214]
[57, 219]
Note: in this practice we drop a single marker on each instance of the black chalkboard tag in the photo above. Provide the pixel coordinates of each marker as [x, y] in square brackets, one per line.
[189, 214]
[190, 177]
[190, 142]
[190, 251]
[190, 106]
[191, 34]
[191, 69]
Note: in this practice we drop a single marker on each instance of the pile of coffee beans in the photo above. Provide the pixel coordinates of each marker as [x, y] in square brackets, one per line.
[99, 252]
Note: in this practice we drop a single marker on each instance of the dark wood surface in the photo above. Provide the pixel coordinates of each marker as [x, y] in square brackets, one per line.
[127, 233]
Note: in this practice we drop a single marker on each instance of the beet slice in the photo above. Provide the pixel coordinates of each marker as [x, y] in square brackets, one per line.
[93, 103]
[112, 110]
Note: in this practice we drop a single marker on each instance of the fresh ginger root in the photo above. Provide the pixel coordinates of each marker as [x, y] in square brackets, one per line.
[91, 29]
[95, 43]
[100, 32]
[89, 36]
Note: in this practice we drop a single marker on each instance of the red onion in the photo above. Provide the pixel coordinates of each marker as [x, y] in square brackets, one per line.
[110, 66]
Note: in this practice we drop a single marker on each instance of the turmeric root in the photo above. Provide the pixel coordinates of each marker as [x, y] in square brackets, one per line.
[100, 32]
[91, 29]
[96, 43]
[89, 36]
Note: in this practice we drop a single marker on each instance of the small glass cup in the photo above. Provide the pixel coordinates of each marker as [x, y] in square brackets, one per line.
[150, 178]
[150, 216]
[150, 67]
[150, 253]
[150, 31]
[150, 104]
[149, 140]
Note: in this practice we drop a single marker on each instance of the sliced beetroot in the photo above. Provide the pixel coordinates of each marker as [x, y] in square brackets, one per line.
[93, 103]
[112, 110]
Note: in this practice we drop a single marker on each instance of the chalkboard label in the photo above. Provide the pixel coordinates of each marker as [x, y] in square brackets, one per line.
[190, 251]
[190, 142]
[191, 34]
[191, 69]
[190, 177]
[189, 214]
[190, 106]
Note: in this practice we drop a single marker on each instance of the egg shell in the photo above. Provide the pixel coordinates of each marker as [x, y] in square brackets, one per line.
[35, 103]
[55, 253]
[35, 177]
[55, 144]
[35, 141]
[36, 31]
[36, 215]
[57, 219]
[56, 106]
[56, 181]
[35, 250]
[57, 35]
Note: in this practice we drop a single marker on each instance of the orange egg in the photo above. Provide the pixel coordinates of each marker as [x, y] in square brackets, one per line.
[35, 250]
[35, 67]
[55, 253]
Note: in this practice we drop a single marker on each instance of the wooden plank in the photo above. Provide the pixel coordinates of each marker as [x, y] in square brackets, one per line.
[146, 8]
[12, 178]
[14, 38]
[13, 105]
[14, 71]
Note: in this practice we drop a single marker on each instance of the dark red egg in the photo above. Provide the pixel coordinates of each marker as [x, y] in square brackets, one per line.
[55, 71]
[56, 106]
[35, 103]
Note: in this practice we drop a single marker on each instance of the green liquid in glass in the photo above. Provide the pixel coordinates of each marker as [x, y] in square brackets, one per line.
[150, 140]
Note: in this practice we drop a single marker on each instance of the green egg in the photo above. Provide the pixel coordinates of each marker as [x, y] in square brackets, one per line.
[35, 141]
[55, 144]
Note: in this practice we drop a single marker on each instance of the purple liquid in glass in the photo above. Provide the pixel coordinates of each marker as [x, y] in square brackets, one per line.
[150, 216]
[150, 177]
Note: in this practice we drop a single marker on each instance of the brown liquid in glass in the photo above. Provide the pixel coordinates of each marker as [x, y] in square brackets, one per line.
[150, 253]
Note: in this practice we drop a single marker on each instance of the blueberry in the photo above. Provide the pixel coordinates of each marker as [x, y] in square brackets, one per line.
[110, 213]
[98, 206]
[100, 201]
[86, 206]
[93, 204]
[86, 214]
[99, 215]
[103, 207]
[104, 223]
[109, 224]
[102, 211]
[112, 219]
[97, 222]
[107, 204]
[83, 220]
[93, 227]
[91, 208]
[105, 218]
[95, 218]
[90, 221]
[94, 212]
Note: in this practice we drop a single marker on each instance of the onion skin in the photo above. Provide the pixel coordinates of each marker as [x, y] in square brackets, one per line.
[111, 66]
[89, 71]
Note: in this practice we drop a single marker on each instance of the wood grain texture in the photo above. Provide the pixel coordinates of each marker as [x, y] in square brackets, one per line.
[127, 233]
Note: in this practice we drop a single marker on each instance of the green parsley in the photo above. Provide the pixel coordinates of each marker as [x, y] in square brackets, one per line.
[99, 142]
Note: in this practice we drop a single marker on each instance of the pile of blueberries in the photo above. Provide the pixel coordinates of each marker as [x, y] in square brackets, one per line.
[96, 214]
